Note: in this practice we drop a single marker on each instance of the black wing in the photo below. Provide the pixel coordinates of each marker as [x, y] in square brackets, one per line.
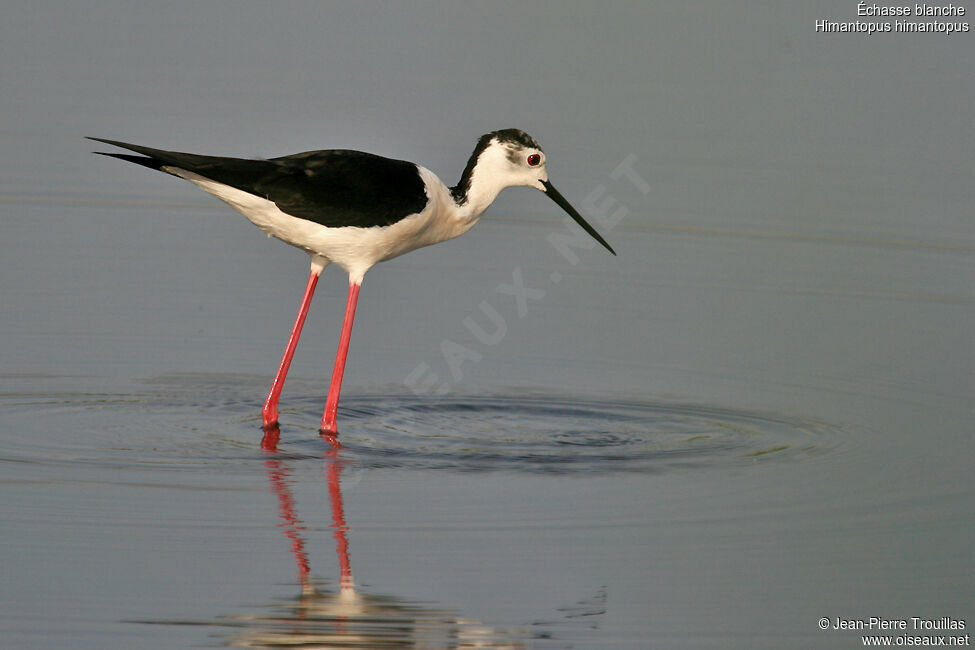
[334, 188]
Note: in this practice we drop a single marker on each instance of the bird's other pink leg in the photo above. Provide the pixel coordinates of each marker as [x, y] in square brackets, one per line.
[332, 404]
[270, 412]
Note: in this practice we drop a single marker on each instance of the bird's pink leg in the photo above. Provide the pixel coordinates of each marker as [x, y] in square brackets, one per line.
[332, 404]
[270, 412]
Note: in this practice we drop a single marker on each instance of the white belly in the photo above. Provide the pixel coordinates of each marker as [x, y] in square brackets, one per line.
[354, 249]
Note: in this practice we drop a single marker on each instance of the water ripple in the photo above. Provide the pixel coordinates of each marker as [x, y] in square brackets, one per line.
[211, 422]
[567, 433]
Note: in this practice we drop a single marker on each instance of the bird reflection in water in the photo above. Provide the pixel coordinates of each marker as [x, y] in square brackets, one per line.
[323, 617]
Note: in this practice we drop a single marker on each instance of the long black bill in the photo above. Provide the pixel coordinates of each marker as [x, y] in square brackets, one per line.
[558, 198]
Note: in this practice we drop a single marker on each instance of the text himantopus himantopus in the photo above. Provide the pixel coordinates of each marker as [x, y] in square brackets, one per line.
[356, 209]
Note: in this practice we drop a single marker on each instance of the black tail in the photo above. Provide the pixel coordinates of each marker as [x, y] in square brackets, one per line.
[159, 158]
[151, 163]
[149, 157]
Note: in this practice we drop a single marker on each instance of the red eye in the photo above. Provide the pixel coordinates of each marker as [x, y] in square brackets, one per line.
[534, 159]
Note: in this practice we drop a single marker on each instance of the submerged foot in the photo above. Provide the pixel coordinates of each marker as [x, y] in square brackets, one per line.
[271, 436]
[331, 436]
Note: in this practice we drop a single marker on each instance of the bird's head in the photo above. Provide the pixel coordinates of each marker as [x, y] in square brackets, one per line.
[513, 158]
[510, 158]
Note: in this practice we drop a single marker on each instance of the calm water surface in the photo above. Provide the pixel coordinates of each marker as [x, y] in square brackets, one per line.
[745, 501]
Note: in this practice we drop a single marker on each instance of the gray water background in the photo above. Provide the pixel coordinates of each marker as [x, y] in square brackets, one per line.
[794, 282]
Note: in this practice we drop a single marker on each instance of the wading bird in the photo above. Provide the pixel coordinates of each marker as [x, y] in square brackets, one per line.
[356, 209]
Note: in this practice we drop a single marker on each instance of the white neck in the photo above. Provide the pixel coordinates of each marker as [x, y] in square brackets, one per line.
[475, 193]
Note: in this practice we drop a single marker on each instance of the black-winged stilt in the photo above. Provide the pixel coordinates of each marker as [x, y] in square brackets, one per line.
[356, 209]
